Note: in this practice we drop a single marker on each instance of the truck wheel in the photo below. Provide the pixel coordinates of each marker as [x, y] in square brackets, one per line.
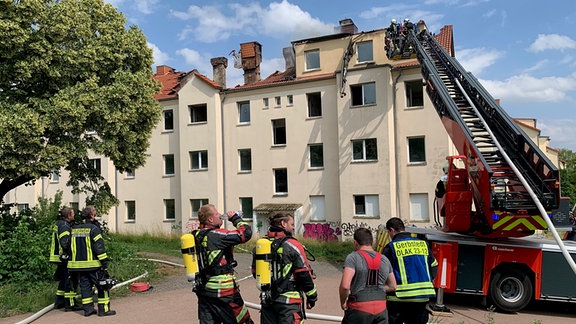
[510, 290]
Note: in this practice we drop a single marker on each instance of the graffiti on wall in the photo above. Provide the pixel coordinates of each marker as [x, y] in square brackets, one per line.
[321, 231]
[192, 224]
[331, 231]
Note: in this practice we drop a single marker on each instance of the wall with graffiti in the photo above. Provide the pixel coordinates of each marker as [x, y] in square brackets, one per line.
[334, 231]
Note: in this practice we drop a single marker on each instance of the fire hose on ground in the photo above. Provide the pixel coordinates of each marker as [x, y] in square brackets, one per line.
[248, 304]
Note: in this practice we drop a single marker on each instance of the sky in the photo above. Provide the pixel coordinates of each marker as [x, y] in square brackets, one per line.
[523, 52]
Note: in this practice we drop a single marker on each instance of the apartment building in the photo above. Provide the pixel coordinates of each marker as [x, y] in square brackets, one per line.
[342, 138]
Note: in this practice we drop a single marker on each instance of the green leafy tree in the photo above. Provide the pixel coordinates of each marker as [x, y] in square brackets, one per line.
[568, 174]
[73, 80]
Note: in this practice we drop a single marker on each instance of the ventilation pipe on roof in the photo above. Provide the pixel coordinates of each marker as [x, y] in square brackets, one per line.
[289, 57]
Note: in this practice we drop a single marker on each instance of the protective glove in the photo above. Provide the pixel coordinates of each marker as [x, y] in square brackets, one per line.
[311, 301]
[64, 257]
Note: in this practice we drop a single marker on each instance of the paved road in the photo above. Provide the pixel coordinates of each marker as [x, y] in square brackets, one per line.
[172, 301]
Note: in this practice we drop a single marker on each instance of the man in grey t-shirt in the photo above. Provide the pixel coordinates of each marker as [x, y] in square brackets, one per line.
[366, 278]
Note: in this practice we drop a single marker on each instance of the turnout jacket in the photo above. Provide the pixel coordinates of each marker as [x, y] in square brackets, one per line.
[87, 251]
[60, 233]
[414, 268]
[216, 259]
[292, 273]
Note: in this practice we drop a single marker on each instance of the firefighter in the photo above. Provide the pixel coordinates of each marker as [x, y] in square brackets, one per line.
[219, 299]
[366, 279]
[66, 291]
[90, 262]
[414, 269]
[291, 275]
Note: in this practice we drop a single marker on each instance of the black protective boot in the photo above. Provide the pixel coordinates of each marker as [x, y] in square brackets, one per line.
[89, 310]
[108, 313]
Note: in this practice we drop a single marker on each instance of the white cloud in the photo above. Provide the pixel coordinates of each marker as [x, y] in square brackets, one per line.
[547, 42]
[197, 60]
[476, 60]
[160, 58]
[279, 20]
[146, 6]
[538, 66]
[561, 132]
[526, 88]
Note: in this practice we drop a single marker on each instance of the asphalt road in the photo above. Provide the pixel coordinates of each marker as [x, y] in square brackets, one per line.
[172, 301]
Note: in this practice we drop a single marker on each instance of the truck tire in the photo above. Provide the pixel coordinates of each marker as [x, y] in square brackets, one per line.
[510, 290]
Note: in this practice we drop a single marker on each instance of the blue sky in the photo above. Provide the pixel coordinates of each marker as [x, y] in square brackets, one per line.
[523, 52]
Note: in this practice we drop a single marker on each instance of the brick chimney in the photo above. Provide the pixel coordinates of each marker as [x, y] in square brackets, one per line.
[164, 69]
[219, 65]
[347, 26]
[251, 59]
[289, 57]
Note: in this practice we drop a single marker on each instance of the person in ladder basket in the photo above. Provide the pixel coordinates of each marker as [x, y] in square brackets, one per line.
[366, 279]
[291, 275]
[67, 284]
[219, 299]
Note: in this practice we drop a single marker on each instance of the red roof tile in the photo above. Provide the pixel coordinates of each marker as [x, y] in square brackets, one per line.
[171, 81]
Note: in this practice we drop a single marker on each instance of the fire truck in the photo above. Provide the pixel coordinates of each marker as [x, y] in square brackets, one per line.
[499, 191]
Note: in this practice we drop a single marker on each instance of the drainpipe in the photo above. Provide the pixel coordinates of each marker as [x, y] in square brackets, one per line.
[116, 193]
[222, 168]
[395, 115]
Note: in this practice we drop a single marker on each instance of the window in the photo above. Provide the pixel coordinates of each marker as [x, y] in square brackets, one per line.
[198, 113]
[168, 164]
[75, 206]
[278, 101]
[312, 60]
[169, 209]
[316, 155]
[195, 205]
[365, 53]
[266, 103]
[245, 156]
[416, 150]
[279, 129]
[317, 208]
[130, 174]
[363, 94]
[366, 206]
[244, 112]
[22, 207]
[130, 210]
[419, 207]
[247, 207]
[314, 104]
[290, 99]
[414, 93]
[364, 150]
[54, 177]
[199, 160]
[96, 165]
[168, 120]
[280, 181]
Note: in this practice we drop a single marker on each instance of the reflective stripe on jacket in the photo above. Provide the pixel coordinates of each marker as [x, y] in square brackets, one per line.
[87, 248]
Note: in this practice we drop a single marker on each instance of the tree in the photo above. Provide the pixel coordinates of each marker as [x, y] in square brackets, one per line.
[73, 80]
[568, 174]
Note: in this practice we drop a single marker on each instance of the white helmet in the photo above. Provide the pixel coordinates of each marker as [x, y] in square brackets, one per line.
[406, 20]
[393, 21]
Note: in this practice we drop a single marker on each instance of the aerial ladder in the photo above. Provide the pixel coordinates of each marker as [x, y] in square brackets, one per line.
[500, 177]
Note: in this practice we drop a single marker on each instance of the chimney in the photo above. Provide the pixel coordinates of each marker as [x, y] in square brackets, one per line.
[164, 69]
[219, 65]
[289, 57]
[347, 26]
[251, 58]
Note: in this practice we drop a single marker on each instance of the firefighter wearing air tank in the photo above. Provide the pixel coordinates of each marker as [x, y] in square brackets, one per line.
[414, 269]
[219, 299]
[290, 276]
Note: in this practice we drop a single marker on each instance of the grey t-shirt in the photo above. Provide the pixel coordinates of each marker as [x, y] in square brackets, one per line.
[357, 262]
